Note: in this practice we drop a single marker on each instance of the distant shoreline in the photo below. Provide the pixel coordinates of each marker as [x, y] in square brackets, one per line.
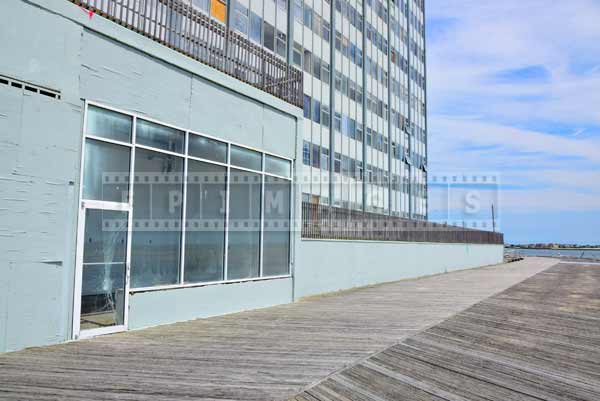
[554, 249]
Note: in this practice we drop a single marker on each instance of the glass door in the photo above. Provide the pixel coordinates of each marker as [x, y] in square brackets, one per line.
[102, 269]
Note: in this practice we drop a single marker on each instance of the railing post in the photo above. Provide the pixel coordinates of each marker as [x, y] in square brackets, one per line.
[262, 70]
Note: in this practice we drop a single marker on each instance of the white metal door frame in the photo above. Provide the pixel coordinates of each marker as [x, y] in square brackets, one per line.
[99, 205]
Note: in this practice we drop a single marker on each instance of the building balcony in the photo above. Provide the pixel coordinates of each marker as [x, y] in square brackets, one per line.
[187, 30]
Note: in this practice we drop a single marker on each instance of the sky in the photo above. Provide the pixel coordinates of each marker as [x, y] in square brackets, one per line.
[514, 95]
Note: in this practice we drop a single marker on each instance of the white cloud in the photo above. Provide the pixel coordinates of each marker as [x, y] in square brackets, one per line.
[487, 37]
[479, 124]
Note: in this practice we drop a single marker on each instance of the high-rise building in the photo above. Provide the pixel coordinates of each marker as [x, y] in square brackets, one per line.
[364, 66]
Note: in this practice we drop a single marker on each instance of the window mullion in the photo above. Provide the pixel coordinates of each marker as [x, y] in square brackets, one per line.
[184, 210]
[227, 214]
[262, 218]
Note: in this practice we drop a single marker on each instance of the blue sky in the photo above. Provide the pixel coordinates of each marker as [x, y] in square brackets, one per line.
[514, 93]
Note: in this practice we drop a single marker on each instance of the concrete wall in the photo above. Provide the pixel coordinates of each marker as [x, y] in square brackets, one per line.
[53, 43]
[39, 177]
[326, 266]
[161, 307]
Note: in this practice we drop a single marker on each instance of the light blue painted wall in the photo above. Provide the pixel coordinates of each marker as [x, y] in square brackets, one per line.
[161, 307]
[40, 153]
[349, 264]
[39, 170]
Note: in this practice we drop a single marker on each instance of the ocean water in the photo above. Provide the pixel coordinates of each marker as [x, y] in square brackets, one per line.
[568, 253]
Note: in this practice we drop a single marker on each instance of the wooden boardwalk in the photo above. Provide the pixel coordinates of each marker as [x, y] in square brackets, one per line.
[262, 355]
[539, 340]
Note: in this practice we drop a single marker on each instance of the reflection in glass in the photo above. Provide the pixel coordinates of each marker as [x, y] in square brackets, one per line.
[278, 166]
[201, 4]
[157, 206]
[206, 148]
[205, 222]
[159, 136]
[108, 124]
[255, 27]
[246, 158]
[244, 225]
[276, 237]
[269, 38]
[106, 171]
[104, 266]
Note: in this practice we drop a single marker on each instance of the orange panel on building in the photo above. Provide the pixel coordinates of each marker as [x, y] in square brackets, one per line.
[218, 9]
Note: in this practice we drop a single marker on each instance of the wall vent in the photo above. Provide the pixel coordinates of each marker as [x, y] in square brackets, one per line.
[29, 87]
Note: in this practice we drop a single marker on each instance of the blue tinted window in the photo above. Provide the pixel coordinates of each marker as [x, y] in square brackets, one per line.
[255, 27]
[306, 153]
[159, 136]
[206, 148]
[246, 158]
[109, 124]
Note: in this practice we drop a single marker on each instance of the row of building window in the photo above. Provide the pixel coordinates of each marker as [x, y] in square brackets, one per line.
[402, 63]
[247, 237]
[399, 121]
[318, 157]
[253, 26]
[347, 48]
[324, 200]
[378, 142]
[373, 34]
[417, 51]
[379, 8]
[320, 114]
[258, 30]
[320, 69]
[348, 126]
[355, 54]
[315, 111]
[348, 87]
[414, 21]
[217, 9]
[311, 64]
[376, 38]
[348, 11]
[417, 77]
[377, 106]
[312, 20]
[376, 71]
[399, 90]
[398, 29]
[420, 4]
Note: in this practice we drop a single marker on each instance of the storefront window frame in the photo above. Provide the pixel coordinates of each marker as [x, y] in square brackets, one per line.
[132, 145]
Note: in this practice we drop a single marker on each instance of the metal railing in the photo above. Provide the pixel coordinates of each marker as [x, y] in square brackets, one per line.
[326, 222]
[182, 27]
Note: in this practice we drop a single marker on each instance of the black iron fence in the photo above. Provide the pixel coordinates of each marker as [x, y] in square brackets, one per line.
[326, 222]
[180, 26]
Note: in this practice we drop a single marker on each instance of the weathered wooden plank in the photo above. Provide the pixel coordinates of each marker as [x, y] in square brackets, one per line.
[256, 355]
[538, 340]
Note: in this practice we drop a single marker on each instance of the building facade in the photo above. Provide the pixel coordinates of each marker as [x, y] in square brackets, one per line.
[164, 160]
[365, 139]
[364, 94]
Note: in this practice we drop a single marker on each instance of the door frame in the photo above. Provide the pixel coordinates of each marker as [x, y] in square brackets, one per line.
[99, 205]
